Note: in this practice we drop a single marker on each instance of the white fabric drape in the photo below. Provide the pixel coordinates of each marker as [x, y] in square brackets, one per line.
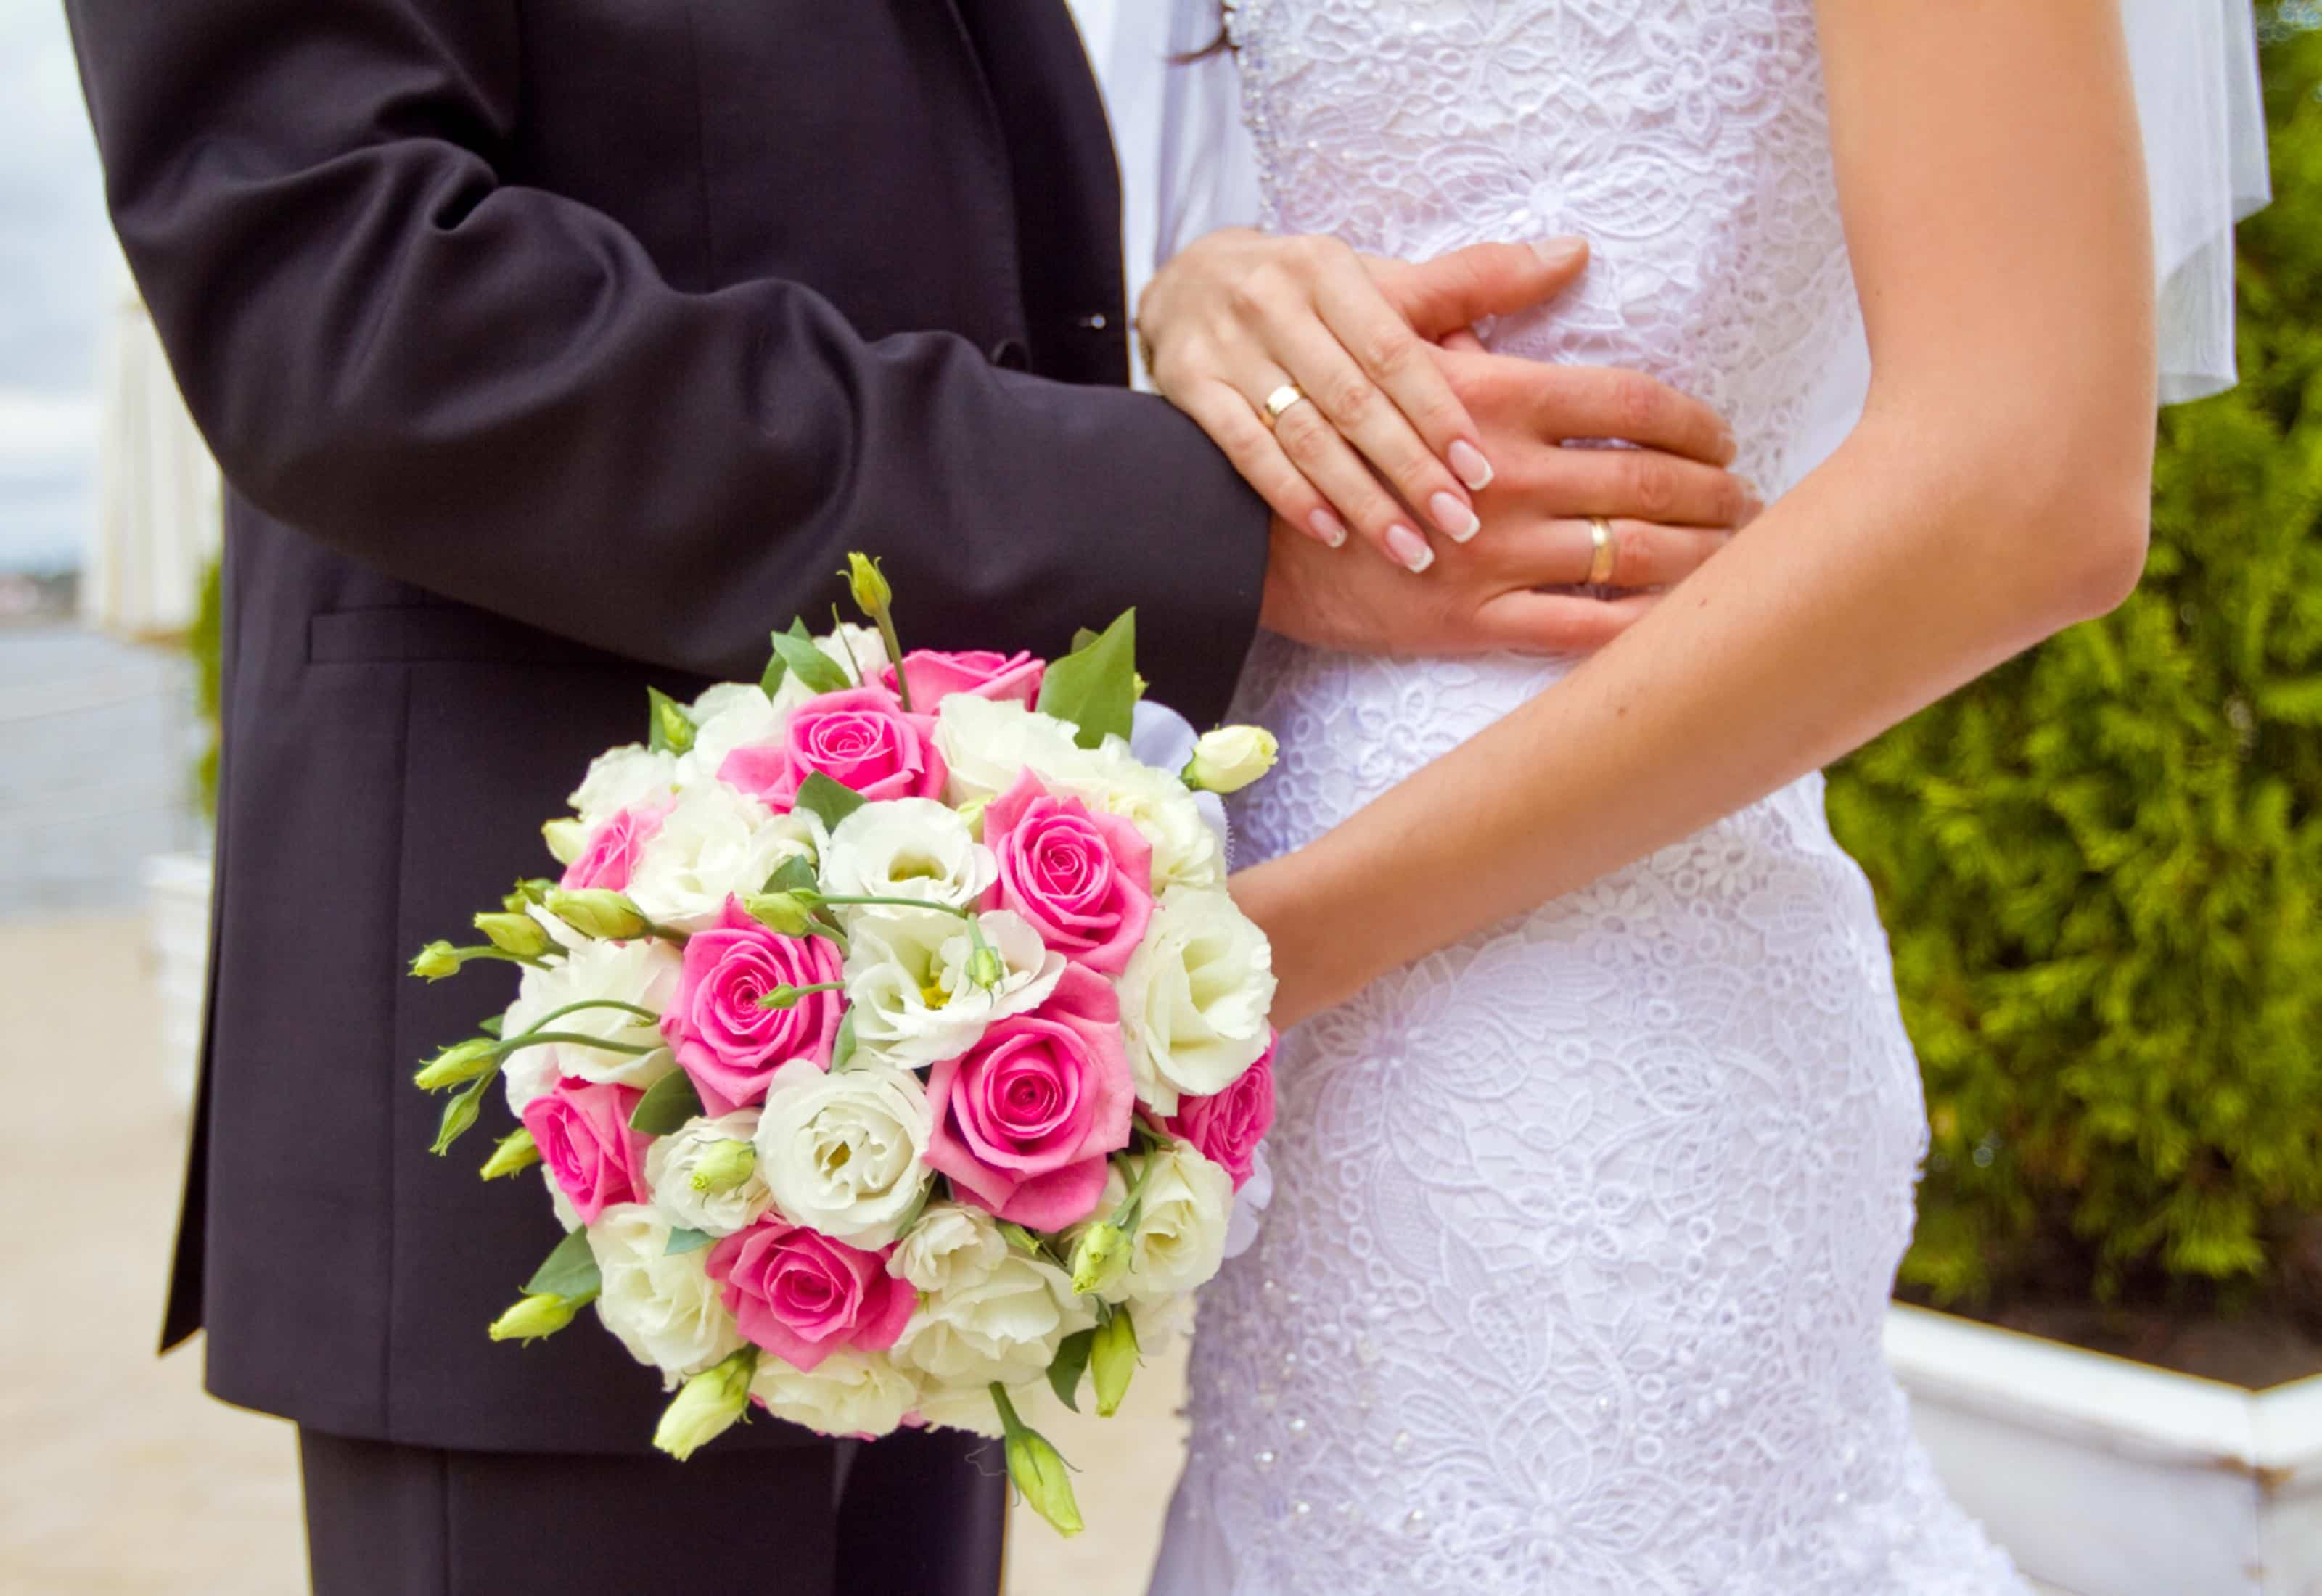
[1187, 166]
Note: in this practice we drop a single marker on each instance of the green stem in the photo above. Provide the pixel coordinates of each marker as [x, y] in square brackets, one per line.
[838, 631]
[796, 993]
[594, 1003]
[1008, 1423]
[540, 1038]
[886, 623]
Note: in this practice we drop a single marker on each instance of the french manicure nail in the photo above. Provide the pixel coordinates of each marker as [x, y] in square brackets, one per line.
[1408, 547]
[1469, 464]
[1559, 251]
[1455, 518]
[1327, 527]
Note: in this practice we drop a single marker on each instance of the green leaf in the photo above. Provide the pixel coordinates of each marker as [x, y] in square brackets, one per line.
[1094, 686]
[569, 1271]
[1072, 1360]
[843, 1045]
[668, 1103]
[796, 651]
[1081, 639]
[672, 729]
[820, 795]
[492, 1027]
[796, 875]
[681, 1240]
[460, 1114]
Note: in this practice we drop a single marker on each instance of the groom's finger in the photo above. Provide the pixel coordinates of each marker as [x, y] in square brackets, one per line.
[1642, 484]
[1459, 289]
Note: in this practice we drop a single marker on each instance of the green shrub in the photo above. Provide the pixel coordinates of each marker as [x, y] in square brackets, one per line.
[2100, 866]
[204, 641]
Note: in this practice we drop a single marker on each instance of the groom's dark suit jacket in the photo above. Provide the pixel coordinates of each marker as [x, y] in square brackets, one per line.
[554, 348]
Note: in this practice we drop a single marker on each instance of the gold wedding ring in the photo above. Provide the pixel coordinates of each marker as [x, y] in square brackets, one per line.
[1282, 399]
[1604, 551]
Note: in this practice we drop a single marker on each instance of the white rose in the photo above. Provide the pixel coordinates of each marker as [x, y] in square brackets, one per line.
[909, 987]
[841, 1151]
[622, 779]
[859, 651]
[1180, 1240]
[952, 1246]
[1004, 1326]
[643, 973]
[989, 743]
[664, 1308]
[1194, 998]
[848, 1393]
[672, 1161]
[1230, 758]
[1187, 850]
[735, 714]
[909, 847]
[716, 842]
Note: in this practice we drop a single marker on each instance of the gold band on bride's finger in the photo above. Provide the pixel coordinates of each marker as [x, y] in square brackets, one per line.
[1282, 399]
[1604, 551]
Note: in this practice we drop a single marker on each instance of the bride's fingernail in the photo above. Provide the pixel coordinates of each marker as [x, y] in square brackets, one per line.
[1327, 527]
[1469, 464]
[1455, 518]
[1408, 547]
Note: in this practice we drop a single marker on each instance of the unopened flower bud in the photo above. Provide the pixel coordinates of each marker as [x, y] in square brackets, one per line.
[782, 912]
[541, 1314]
[598, 912]
[458, 1064]
[1230, 758]
[1113, 1361]
[784, 996]
[972, 811]
[567, 838]
[724, 1166]
[519, 934]
[517, 1150]
[869, 583]
[527, 893]
[436, 960]
[1039, 1472]
[1099, 1256]
[984, 966]
[707, 1406]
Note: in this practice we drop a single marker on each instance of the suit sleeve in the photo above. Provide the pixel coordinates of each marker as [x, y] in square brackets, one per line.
[488, 390]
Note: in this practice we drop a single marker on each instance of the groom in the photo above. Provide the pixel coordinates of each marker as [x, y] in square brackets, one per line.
[552, 349]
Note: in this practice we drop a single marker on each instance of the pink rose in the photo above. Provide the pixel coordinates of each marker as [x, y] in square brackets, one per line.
[860, 738]
[1024, 1119]
[1083, 879]
[725, 1041]
[583, 1132]
[802, 1296]
[1226, 1127]
[978, 672]
[611, 859]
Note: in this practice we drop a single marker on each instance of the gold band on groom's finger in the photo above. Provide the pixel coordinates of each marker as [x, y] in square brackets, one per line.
[1282, 399]
[1604, 551]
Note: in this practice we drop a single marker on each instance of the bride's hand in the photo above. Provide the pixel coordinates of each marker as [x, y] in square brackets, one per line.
[1398, 421]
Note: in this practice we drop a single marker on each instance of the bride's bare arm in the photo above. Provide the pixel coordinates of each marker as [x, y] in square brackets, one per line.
[1994, 491]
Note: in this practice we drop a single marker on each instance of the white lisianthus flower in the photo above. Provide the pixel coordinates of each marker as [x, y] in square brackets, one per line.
[735, 714]
[1187, 850]
[859, 651]
[643, 973]
[672, 1162]
[1194, 998]
[841, 1151]
[848, 1393]
[905, 848]
[989, 743]
[714, 842]
[970, 1408]
[1230, 758]
[953, 1246]
[1004, 1326]
[1183, 1214]
[909, 984]
[566, 1214]
[623, 778]
[664, 1308]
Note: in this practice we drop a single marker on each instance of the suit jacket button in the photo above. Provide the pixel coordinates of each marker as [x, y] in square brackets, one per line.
[1010, 354]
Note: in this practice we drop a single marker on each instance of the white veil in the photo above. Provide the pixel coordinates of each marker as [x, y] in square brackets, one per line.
[1187, 166]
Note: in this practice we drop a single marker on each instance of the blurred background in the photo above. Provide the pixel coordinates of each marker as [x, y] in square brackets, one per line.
[2100, 867]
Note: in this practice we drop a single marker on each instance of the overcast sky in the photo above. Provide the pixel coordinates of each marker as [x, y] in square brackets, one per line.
[58, 271]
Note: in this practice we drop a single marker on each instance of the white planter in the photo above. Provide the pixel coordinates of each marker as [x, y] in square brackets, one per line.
[178, 929]
[2107, 1478]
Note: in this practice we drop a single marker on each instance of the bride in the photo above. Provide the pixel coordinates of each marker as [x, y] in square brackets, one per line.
[1598, 1134]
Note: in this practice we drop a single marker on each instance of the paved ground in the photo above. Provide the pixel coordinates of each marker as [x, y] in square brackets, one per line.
[96, 1423]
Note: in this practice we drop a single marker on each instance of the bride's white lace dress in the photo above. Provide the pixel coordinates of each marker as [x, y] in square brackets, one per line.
[1583, 1230]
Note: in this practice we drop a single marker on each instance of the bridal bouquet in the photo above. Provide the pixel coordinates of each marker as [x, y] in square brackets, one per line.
[890, 1046]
